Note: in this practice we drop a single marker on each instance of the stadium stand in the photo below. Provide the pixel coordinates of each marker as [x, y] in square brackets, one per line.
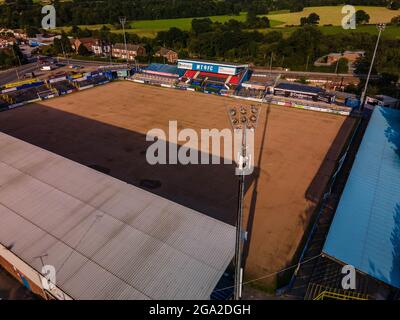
[3, 104]
[211, 76]
[164, 70]
[300, 91]
[250, 93]
[45, 92]
[91, 81]
[363, 231]
[154, 79]
[63, 87]
[21, 96]
[159, 74]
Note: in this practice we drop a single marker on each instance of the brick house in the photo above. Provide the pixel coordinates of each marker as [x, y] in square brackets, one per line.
[134, 50]
[87, 42]
[101, 48]
[7, 41]
[170, 55]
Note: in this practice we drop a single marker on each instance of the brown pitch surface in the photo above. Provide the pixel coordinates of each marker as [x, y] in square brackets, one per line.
[106, 128]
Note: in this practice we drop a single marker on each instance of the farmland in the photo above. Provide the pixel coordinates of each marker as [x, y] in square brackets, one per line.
[332, 15]
[283, 21]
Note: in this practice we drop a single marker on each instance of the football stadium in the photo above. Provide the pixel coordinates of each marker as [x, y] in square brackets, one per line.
[78, 193]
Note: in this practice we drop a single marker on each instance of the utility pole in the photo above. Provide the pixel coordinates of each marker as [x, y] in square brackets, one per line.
[122, 20]
[19, 62]
[381, 27]
[62, 47]
[270, 65]
[242, 120]
[308, 60]
[337, 65]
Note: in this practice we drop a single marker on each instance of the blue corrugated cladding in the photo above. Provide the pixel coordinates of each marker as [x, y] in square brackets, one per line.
[365, 232]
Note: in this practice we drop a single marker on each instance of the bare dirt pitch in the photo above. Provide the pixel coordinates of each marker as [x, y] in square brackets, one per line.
[106, 127]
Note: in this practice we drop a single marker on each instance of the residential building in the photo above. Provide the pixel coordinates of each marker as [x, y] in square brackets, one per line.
[101, 48]
[87, 42]
[7, 41]
[132, 51]
[170, 55]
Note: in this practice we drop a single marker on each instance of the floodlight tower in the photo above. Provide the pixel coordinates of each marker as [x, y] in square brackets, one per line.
[122, 20]
[381, 27]
[19, 61]
[243, 120]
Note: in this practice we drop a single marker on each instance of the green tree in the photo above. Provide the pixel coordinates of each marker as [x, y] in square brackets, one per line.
[201, 25]
[362, 17]
[251, 17]
[313, 18]
[62, 45]
[395, 21]
[83, 51]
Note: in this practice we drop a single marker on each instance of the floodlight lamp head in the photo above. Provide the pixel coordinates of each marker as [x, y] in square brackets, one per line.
[381, 26]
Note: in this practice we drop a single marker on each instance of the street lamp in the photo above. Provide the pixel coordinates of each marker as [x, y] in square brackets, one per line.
[381, 27]
[243, 120]
[122, 20]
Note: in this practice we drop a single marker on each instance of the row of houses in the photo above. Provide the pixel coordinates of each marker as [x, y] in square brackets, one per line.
[120, 51]
[9, 37]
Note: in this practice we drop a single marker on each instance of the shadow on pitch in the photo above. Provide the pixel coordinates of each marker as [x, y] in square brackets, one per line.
[121, 153]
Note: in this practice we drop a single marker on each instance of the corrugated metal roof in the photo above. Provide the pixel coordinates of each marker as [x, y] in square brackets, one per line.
[106, 239]
[166, 68]
[299, 88]
[366, 229]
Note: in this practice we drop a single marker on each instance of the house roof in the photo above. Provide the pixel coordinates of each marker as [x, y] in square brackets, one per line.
[164, 51]
[130, 47]
[301, 88]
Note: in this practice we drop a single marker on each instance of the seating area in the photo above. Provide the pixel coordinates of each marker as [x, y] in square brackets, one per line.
[213, 87]
[63, 86]
[155, 79]
[250, 93]
[25, 95]
[3, 104]
[95, 81]
[44, 92]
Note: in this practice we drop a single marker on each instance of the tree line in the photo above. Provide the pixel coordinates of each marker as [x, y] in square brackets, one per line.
[24, 13]
[231, 41]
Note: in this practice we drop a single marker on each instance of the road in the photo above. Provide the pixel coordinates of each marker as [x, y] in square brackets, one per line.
[11, 75]
[264, 71]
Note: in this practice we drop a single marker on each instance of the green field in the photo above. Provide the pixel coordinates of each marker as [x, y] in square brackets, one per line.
[149, 28]
[330, 15]
[280, 20]
[333, 15]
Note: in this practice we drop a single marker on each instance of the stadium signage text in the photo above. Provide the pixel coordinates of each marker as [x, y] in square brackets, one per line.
[205, 67]
[186, 147]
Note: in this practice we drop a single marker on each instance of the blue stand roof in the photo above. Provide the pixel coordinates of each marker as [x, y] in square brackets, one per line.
[365, 232]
